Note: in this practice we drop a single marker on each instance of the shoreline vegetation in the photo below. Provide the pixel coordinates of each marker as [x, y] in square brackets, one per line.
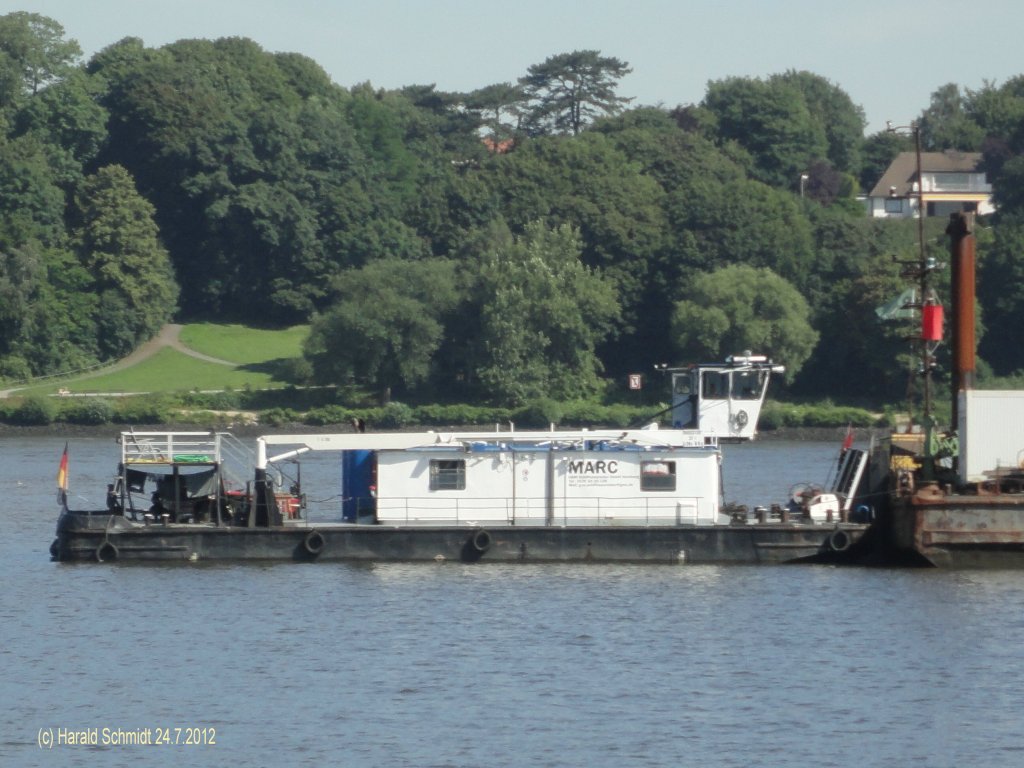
[251, 391]
[112, 431]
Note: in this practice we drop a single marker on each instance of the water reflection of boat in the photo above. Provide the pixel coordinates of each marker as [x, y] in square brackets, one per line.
[633, 495]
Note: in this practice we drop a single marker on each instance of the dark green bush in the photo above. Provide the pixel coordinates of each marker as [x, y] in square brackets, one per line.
[328, 414]
[35, 411]
[775, 415]
[460, 415]
[143, 410]
[394, 415]
[89, 411]
[229, 400]
[539, 414]
[278, 417]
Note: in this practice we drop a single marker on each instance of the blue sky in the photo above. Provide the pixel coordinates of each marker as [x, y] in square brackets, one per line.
[888, 56]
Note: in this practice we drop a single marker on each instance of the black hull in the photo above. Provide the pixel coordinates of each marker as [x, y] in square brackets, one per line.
[99, 537]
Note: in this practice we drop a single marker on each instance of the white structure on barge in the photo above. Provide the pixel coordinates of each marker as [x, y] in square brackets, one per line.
[560, 478]
[639, 477]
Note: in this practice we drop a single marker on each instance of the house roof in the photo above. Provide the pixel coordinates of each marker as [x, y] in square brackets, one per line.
[902, 172]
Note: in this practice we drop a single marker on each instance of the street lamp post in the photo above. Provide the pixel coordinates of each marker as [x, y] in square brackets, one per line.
[803, 180]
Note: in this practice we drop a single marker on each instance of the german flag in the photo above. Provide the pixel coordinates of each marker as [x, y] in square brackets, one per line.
[62, 476]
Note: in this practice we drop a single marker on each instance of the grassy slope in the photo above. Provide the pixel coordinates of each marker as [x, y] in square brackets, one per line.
[242, 345]
[171, 370]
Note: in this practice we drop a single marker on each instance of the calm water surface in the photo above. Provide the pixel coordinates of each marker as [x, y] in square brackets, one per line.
[488, 665]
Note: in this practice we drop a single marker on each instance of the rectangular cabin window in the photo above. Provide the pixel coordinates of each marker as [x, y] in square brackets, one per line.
[682, 383]
[447, 474]
[748, 385]
[657, 475]
[715, 385]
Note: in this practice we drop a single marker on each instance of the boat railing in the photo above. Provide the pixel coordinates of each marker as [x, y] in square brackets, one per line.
[234, 457]
[599, 511]
[169, 448]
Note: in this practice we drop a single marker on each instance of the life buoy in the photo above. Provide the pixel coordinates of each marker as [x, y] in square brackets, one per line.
[839, 540]
[742, 419]
[481, 541]
[106, 552]
[314, 543]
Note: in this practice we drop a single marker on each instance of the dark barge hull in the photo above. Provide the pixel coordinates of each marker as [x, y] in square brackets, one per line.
[102, 537]
[960, 531]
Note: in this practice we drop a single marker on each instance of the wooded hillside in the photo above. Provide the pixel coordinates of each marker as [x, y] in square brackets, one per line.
[529, 239]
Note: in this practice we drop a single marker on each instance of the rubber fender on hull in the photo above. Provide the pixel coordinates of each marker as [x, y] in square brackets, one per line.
[106, 552]
[839, 540]
[481, 541]
[475, 546]
[314, 543]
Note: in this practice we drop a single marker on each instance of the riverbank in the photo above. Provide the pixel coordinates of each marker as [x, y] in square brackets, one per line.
[823, 434]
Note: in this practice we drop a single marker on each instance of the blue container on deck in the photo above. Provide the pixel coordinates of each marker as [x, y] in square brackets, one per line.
[357, 480]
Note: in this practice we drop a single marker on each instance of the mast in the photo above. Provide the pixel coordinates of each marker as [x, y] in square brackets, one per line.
[961, 236]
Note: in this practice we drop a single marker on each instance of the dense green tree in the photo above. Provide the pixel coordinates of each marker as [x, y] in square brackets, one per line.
[500, 107]
[22, 274]
[1001, 294]
[946, 124]
[999, 110]
[69, 122]
[33, 55]
[588, 184]
[385, 326]
[742, 222]
[31, 200]
[540, 315]
[251, 160]
[738, 307]
[567, 91]
[117, 240]
[772, 121]
[832, 109]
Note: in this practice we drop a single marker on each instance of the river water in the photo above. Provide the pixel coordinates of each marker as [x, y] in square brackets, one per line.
[493, 665]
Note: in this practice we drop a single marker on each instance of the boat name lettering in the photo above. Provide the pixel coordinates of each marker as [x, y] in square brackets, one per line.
[591, 467]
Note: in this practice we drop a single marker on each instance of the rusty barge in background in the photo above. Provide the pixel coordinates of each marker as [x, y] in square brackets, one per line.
[953, 498]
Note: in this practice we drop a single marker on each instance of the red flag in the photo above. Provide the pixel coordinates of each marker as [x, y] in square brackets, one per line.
[62, 474]
[848, 440]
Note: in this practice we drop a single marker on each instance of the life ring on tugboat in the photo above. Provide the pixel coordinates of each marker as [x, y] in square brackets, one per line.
[314, 543]
[481, 541]
[839, 540]
[106, 552]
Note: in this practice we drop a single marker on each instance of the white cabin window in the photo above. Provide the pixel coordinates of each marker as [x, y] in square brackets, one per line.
[682, 384]
[447, 474]
[748, 385]
[715, 385]
[657, 475]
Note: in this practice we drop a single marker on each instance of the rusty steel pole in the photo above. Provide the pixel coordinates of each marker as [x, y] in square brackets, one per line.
[961, 236]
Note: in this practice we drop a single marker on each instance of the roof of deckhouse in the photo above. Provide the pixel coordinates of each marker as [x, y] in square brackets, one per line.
[902, 171]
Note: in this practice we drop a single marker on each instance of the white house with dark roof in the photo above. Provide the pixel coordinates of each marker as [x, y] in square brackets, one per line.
[952, 182]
